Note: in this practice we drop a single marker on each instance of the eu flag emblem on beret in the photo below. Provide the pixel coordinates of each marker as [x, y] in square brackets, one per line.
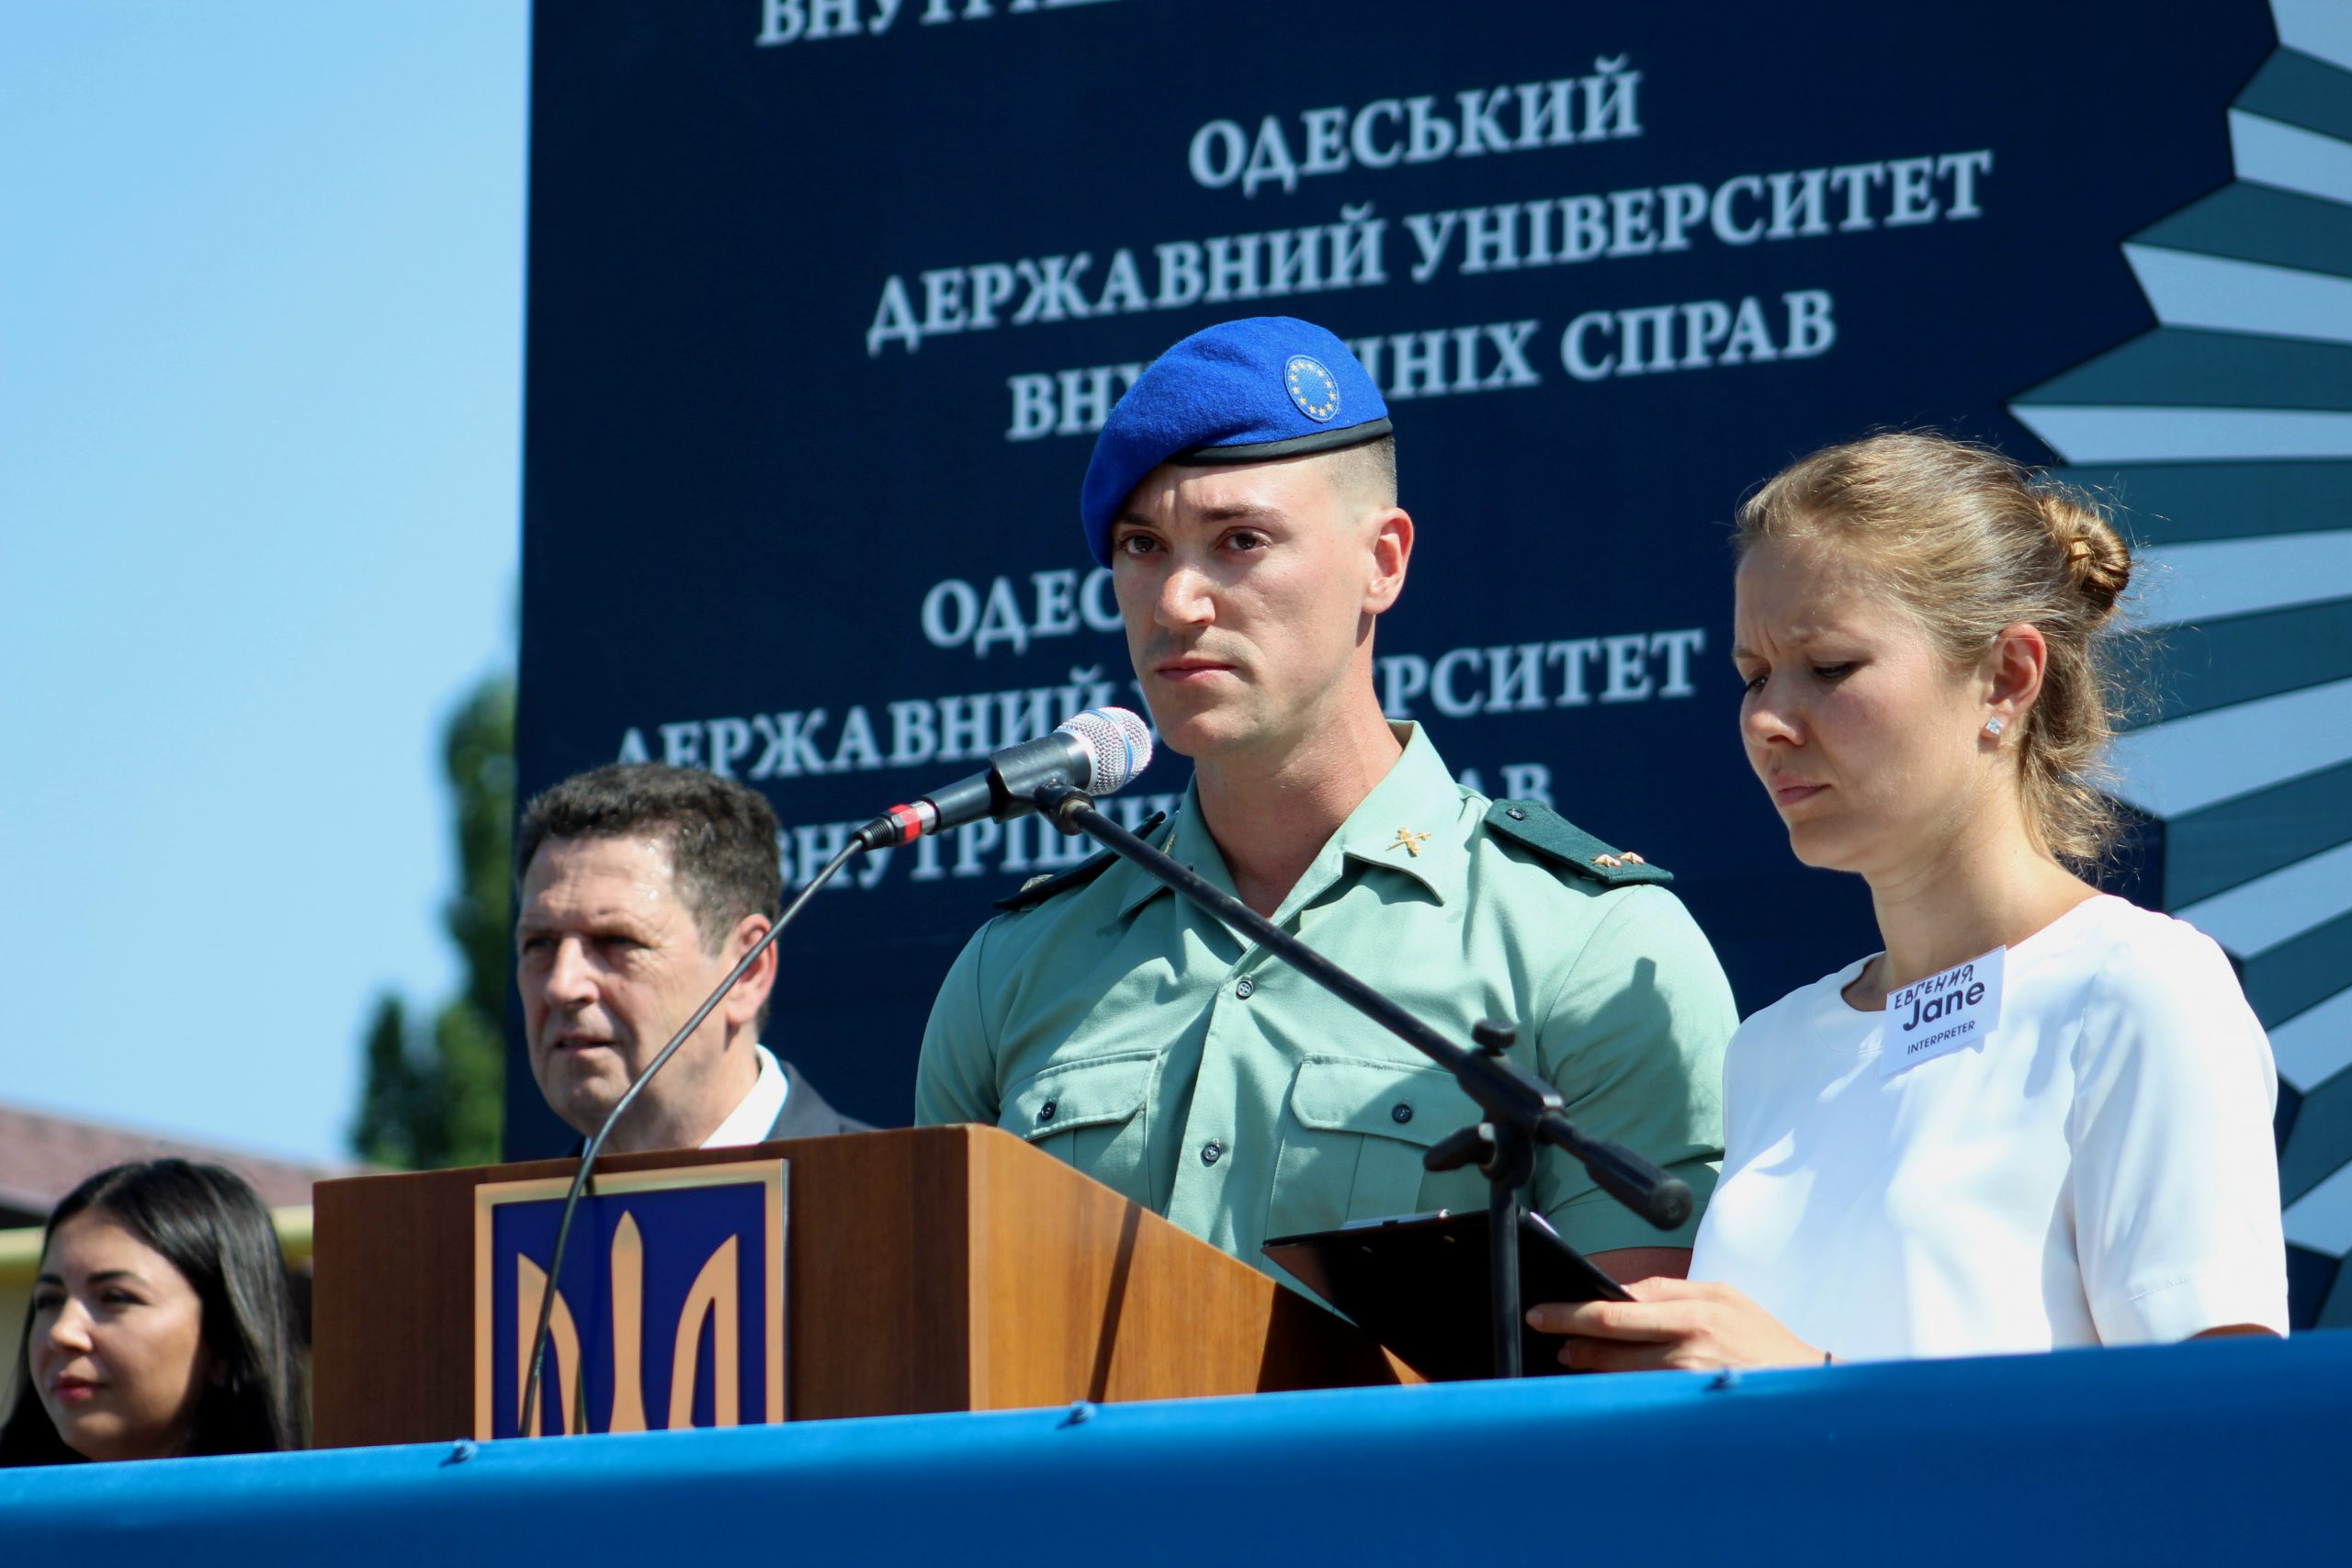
[1245, 391]
[1313, 388]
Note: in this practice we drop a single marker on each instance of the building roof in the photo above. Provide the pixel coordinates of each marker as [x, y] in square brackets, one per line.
[44, 1155]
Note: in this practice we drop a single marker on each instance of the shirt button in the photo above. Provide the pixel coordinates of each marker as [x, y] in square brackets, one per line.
[1045, 1111]
[1403, 1113]
[1211, 1153]
[1244, 988]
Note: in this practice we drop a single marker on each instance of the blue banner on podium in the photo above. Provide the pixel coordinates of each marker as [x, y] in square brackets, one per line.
[670, 1313]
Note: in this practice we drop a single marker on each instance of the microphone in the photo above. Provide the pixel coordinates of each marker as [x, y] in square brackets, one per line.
[1097, 751]
[532, 1419]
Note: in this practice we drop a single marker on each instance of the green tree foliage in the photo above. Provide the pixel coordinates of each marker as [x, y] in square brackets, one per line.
[435, 1097]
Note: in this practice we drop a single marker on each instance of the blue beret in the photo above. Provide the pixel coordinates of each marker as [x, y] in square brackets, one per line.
[1236, 393]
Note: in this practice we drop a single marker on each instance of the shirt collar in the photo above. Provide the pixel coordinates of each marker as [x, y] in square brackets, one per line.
[750, 1121]
[1416, 797]
[1405, 824]
[1185, 839]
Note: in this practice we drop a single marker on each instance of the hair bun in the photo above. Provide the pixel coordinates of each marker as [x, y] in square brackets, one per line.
[2095, 557]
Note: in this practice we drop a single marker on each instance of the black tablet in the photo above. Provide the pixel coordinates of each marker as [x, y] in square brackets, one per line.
[1419, 1284]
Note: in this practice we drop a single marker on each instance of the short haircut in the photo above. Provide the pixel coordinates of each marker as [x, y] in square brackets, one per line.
[721, 835]
[1368, 472]
[208, 1224]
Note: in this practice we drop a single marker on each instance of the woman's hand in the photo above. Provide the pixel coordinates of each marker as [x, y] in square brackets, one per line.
[1688, 1324]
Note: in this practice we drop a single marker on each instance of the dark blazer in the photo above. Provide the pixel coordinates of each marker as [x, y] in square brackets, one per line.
[805, 1112]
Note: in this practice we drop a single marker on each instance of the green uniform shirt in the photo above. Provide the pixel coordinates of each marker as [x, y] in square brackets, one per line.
[1128, 1033]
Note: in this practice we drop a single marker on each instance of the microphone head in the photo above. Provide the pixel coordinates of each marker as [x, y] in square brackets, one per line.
[1118, 745]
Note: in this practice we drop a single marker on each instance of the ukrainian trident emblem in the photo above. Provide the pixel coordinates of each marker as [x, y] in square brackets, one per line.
[672, 1303]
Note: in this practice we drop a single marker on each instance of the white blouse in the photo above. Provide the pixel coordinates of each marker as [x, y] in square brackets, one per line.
[2097, 1167]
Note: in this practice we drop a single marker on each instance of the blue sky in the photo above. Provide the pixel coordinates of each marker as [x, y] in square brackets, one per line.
[261, 288]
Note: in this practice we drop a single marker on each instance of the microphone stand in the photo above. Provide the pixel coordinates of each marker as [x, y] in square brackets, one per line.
[1522, 1111]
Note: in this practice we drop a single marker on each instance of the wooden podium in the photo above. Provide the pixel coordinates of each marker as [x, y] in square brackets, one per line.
[941, 1268]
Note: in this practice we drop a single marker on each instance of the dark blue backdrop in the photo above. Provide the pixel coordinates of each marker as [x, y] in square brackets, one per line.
[740, 496]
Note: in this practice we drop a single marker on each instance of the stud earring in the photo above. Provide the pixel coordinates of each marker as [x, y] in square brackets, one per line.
[1993, 728]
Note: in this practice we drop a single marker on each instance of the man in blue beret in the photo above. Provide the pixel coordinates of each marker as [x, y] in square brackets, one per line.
[1244, 496]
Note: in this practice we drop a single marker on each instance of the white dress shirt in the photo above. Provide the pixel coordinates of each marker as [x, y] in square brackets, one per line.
[748, 1123]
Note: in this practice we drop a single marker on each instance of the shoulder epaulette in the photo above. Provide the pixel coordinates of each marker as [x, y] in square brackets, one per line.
[1561, 841]
[1039, 888]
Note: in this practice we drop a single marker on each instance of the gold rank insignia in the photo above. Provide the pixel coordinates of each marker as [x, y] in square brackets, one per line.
[1410, 841]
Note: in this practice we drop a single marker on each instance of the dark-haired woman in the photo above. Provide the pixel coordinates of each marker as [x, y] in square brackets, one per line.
[161, 1324]
[2041, 1116]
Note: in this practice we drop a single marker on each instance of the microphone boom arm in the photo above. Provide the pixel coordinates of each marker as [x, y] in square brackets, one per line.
[1522, 1108]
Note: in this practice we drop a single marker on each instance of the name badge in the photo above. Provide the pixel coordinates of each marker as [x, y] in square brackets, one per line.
[1944, 1013]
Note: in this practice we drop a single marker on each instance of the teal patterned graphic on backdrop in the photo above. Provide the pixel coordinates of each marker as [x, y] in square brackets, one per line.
[2227, 433]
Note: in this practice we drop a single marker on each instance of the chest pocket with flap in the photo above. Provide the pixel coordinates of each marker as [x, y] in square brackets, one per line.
[1089, 1115]
[1352, 1148]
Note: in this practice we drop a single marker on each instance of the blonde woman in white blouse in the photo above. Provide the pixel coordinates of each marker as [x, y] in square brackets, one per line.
[2041, 1117]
